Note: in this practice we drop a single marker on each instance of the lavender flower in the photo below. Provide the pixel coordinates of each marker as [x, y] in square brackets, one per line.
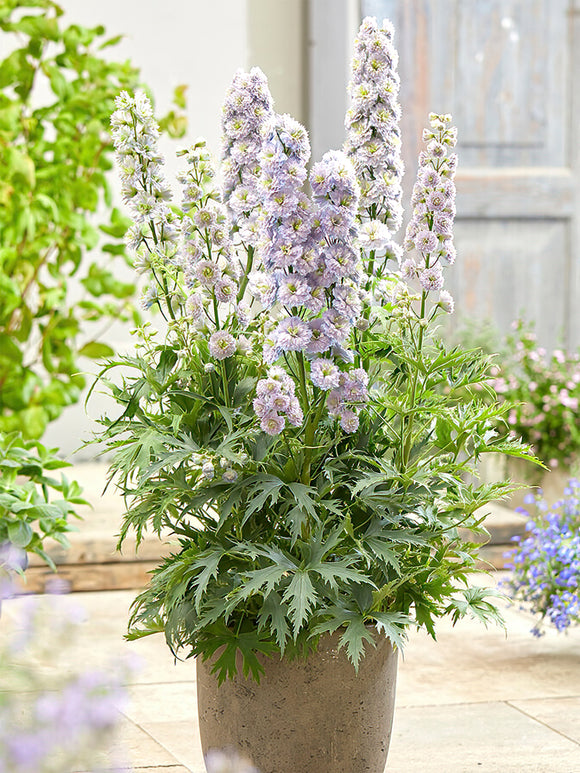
[285, 152]
[431, 278]
[247, 115]
[143, 185]
[446, 302]
[292, 334]
[208, 260]
[272, 423]
[349, 421]
[275, 402]
[429, 232]
[335, 326]
[222, 345]
[372, 122]
[324, 374]
[351, 392]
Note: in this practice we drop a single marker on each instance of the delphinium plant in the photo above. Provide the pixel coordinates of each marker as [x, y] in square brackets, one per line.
[299, 428]
[54, 717]
[545, 563]
[544, 389]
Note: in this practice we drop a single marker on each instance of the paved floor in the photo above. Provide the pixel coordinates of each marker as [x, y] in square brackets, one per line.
[477, 700]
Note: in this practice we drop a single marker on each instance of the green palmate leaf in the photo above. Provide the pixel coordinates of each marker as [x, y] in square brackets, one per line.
[296, 520]
[392, 625]
[384, 549]
[273, 609]
[264, 488]
[354, 638]
[332, 571]
[303, 496]
[247, 643]
[300, 597]
[209, 560]
[264, 580]
[477, 603]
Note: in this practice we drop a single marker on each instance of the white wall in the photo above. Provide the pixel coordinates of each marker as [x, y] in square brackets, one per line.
[197, 42]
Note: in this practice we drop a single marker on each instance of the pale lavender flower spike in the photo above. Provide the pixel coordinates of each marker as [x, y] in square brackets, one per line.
[210, 275]
[373, 136]
[430, 231]
[144, 188]
[308, 248]
[246, 117]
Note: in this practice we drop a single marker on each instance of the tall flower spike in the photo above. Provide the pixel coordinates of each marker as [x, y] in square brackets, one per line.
[430, 230]
[373, 136]
[285, 233]
[310, 266]
[207, 254]
[247, 115]
[135, 133]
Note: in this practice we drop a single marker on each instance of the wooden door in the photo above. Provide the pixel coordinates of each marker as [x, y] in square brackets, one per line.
[507, 71]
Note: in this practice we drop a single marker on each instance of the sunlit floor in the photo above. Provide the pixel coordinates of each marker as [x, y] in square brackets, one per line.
[476, 700]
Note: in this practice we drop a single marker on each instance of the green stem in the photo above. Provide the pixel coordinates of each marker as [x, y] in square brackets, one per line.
[303, 387]
[225, 384]
[245, 278]
[406, 450]
[310, 428]
[309, 437]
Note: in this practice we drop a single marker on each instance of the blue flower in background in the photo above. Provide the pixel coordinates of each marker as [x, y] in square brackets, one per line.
[546, 562]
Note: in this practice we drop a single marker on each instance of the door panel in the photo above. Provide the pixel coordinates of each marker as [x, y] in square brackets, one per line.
[508, 72]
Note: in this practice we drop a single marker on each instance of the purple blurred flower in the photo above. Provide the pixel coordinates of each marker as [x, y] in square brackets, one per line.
[546, 562]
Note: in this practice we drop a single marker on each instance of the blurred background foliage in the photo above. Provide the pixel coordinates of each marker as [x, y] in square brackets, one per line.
[62, 255]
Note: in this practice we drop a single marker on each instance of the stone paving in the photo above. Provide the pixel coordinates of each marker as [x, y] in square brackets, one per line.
[477, 700]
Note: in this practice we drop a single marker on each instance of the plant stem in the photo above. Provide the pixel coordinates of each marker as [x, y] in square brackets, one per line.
[245, 278]
[225, 384]
[406, 450]
[303, 387]
[309, 436]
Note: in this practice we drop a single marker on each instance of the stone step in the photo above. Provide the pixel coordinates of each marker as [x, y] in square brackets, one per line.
[503, 524]
[93, 563]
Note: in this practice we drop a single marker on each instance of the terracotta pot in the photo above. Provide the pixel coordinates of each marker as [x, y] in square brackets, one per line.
[314, 715]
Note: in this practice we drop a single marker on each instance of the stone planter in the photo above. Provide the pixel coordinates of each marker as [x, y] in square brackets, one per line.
[314, 715]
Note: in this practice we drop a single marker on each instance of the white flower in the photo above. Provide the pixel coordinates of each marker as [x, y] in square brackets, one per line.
[373, 235]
